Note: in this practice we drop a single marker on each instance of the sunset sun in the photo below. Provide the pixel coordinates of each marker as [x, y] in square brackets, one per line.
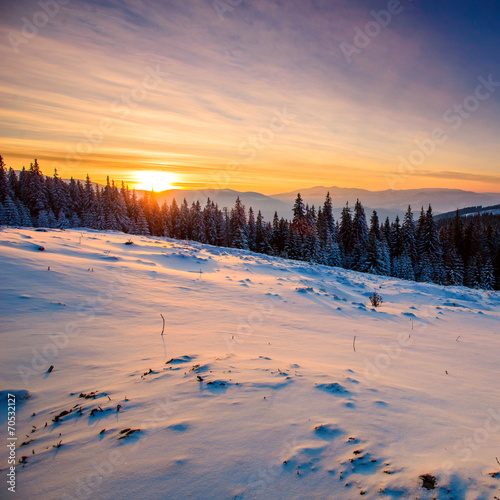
[154, 180]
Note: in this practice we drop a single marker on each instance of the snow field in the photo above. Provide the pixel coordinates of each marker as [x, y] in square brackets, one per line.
[273, 379]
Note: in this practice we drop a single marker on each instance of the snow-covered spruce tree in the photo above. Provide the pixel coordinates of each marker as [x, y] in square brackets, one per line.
[345, 236]
[487, 275]
[263, 234]
[408, 236]
[298, 209]
[24, 213]
[42, 220]
[359, 238]
[89, 216]
[4, 182]
[396, 239]
[328, 234]
[182, 222]
[252, 230]
[430, 266]
[210, 221]
[172, 218]
[238, 226]
[402, 267]
[197, 223]
[62, 220]
[377, 256]
[75, 200]
[454, 268]
[292, 243]
[473, 272]
[142, 226]
[313, 252]
[280, 230]
[222, 223]
[496, 267]
[9, 213]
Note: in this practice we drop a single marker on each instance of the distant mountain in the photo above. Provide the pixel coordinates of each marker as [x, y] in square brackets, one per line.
[395, 201]
[468, 211]
[388, 203]
[227, 198]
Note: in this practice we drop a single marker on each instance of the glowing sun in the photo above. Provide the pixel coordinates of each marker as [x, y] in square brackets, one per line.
[154, 180]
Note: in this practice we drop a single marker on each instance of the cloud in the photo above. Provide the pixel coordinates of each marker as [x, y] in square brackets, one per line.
[225, 80]
[466, 176]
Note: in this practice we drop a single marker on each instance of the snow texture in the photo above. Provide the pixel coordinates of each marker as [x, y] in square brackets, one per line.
[273, 379]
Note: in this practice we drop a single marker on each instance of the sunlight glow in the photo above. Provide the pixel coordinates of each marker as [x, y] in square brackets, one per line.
[154, 180]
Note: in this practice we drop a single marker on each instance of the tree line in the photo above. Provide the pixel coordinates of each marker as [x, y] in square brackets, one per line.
[455, 251]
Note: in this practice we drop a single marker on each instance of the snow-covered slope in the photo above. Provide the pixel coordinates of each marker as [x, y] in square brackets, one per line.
[273, 379]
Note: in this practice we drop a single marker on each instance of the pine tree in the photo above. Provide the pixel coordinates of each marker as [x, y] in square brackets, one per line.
[454, 268]
[172, 221]
[142, 226]
[396, 239]
[24, 214]
[10, 214]
[487, 275]
[312, 249]
[345, 235]
[252, 231]
[238, 226]
[262, 244]
[360, 238]
[473, 278]
[36, 196]
[377, 255]
[409, 235]
[210, 221]
[89, 205]
[298, 209]
[42, 219]
[430, 266]
[4, 183]
[291, 249]
[403, 267]
[182, 223]
[196, 226]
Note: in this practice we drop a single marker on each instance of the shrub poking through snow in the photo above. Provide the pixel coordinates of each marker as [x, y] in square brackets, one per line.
[376, 299]
[428, 481]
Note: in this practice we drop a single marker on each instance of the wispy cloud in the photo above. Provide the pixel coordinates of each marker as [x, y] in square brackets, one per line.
[224, 81]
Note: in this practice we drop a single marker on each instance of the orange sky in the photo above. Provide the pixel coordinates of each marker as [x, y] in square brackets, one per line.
[261, 100]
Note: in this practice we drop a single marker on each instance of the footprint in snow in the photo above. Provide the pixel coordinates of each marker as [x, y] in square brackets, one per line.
[336, 389]
[328, 432]
[180, 427]
[179, 360]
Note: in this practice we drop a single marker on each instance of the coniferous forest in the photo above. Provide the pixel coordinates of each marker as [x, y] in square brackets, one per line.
[454, 251]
